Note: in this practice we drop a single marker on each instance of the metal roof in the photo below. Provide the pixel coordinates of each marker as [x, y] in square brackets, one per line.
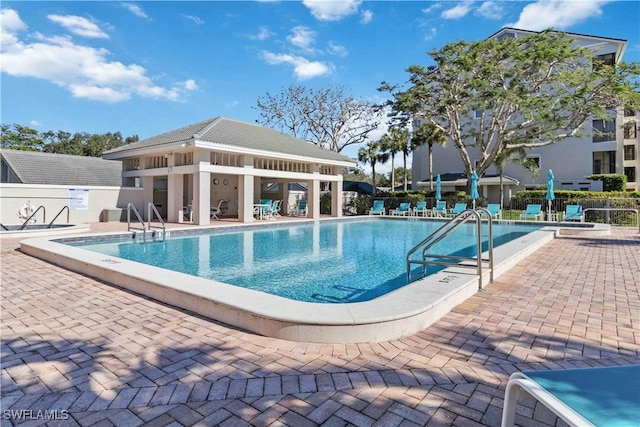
[234, 133]
[34, 167]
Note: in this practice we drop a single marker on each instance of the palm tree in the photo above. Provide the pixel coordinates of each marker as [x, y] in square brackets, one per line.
[372, 154]
[392, 147]
[400, 138]
[428, 134]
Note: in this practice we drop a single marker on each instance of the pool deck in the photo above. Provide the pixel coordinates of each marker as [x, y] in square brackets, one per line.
[111, 357]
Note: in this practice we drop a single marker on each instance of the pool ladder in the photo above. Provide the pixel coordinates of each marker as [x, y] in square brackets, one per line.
[151, 210]
[475, 262]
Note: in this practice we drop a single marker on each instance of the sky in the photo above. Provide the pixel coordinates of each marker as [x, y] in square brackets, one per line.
[148, 67]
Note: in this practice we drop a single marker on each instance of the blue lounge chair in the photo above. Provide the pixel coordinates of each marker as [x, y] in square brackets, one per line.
[302, 208]
[420, 209]
[532, 212]
[494, 210]
[441, 208]
[458, 208]
[403, 209]
[603, 396]
[573, 213]
[378, 208]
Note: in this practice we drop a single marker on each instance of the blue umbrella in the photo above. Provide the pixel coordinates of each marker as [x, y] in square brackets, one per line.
[549, 196]
[438, 195]
[474, 188]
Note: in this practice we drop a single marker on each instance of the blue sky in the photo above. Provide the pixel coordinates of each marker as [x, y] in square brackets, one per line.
[148, 67]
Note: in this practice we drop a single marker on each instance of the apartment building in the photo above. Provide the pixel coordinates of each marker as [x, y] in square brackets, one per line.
[605, 146]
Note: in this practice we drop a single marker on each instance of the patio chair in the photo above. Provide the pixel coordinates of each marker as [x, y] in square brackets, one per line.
[276, 207]
[420, 209]
[301, 208]
[378, 208]
[573, 213]
[603, 396]
[494, 210]
[440, 209]
[532, 212]
[403, 209]
[218, 210]
[458, 208]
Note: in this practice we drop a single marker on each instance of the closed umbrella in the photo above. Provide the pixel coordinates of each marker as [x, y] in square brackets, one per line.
[549, 196]
[438, 189]
[474, 188]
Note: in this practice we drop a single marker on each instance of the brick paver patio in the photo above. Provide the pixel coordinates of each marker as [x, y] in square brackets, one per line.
[103, 356]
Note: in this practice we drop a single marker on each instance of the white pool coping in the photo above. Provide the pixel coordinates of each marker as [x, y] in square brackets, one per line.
[39, 232]
[402, 312]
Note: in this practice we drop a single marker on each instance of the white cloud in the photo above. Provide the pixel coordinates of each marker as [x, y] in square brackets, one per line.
[79, 26]
[332, 10]
[490, 10]
[303, 68]
[83, 70]
[302, 37]
[432, 8]
[11, 24]
[135, 9]
[458, 11]
[557, 14]
[195, 19]
[262, 34]
[35, 123]
[337, 50]
[430, 35]
[367, 16]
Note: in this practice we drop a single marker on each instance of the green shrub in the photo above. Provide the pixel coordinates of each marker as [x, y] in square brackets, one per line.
[610, 182]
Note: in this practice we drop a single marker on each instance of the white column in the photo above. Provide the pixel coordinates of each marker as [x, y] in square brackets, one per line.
[175, 189]
[147, 184]
[313, 198]
[246, 191]
[336, 198]
[202, 190]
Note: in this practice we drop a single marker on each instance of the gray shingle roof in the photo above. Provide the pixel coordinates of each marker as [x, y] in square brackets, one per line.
[32, 167]
[239, 134]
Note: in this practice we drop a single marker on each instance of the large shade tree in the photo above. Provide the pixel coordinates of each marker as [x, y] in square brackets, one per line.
[525, 92]
[329, 117]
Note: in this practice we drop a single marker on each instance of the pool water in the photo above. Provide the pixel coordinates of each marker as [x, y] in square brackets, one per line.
[322, 262]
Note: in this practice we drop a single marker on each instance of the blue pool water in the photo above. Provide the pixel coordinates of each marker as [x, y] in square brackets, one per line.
[326, 262]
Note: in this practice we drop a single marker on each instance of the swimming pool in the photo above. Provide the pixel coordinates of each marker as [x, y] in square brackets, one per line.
[322, 262]
[401, 312]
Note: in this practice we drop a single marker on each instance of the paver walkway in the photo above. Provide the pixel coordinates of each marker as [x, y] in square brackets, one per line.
[95, 354]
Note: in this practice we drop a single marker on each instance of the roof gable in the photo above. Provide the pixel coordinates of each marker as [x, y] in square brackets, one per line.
[234, 133]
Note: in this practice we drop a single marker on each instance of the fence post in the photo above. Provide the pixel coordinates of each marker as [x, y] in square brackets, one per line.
[608, 214]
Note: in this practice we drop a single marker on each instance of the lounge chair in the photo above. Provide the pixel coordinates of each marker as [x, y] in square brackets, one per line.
[494, 210]
[573, 213]
[218, 210]
[403, 209]
[532, 212]
[440, 209]
[378, 208]
[301, 208]
[420, 209]
[600, 396]
[458, 208]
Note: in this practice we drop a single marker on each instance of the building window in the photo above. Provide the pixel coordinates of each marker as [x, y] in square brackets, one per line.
[602, 60]
[604, 162]
[630, 172]
[630, 131]
[604, 130]
[477, 114]
[629, 152]
[535, 159]
[628, 112]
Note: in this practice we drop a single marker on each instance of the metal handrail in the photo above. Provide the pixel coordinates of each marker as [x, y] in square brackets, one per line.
[131, 207]
[58, 214]
[44, 216]
[454, 260]
[5, 228]
[151, 209]
[637, 211]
